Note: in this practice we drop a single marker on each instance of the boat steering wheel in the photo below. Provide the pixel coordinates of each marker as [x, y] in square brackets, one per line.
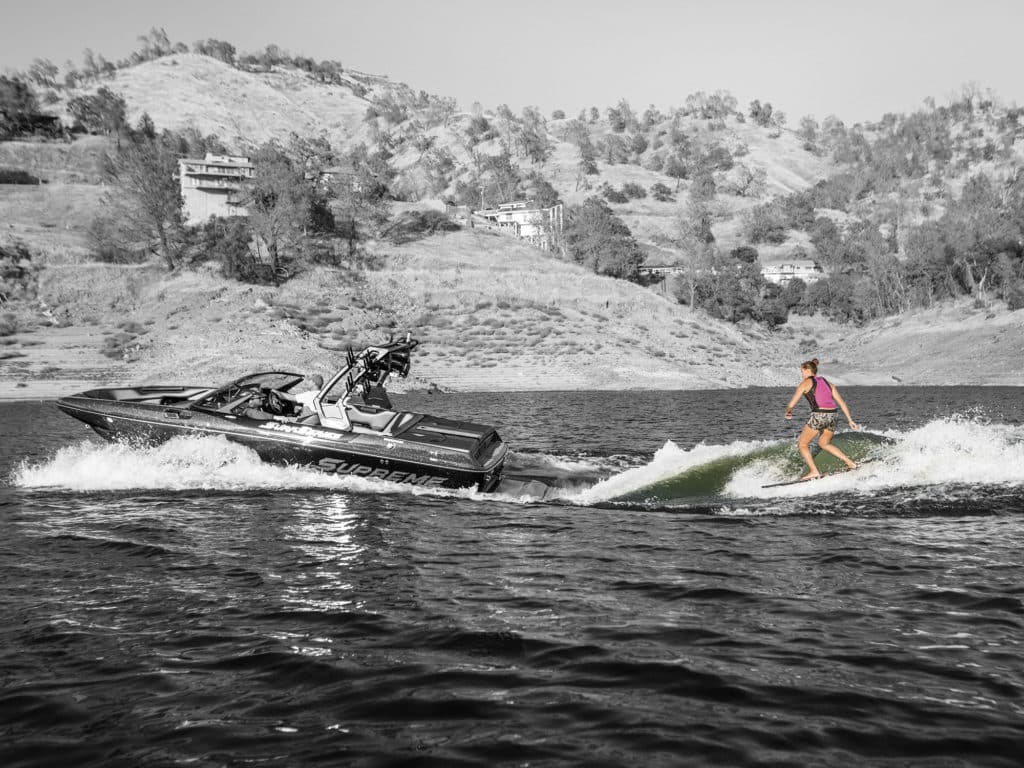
[276, 404]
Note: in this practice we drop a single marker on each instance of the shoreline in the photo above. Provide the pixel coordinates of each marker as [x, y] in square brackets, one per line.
[50, 391]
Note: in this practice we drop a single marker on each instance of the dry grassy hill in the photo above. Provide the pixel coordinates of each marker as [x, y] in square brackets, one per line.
[492, 312]
[245, 109]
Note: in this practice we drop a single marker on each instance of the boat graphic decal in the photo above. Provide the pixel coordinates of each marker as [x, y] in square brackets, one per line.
[302, 431]
[341, 467]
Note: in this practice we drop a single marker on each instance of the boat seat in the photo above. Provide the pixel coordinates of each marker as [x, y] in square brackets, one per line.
[376, 419]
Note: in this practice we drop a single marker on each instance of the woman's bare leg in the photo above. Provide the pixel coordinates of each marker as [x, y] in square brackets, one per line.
[805, 450]
[825, 441]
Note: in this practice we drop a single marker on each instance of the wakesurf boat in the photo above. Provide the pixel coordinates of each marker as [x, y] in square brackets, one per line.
[346, 427]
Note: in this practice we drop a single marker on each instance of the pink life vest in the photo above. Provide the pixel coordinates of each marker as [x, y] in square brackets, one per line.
[820, 396]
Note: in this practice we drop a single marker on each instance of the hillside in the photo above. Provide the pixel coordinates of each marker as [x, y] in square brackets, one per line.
[492, 312]
[245, 109]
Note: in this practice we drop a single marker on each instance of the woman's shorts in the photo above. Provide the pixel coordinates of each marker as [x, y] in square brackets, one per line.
[822, 420]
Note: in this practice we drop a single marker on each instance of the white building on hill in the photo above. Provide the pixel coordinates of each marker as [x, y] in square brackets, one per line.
[780, 274]
[210, 187]
[541, 226]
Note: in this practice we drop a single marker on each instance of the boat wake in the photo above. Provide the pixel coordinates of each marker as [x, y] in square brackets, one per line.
[944, 452]
[955, 451]
[186, 463]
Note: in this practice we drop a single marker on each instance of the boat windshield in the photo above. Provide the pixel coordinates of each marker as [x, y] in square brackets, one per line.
[243, 388]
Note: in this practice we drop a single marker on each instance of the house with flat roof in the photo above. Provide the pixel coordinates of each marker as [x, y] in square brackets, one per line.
[211, 186]
[541, 226]
[780, 274]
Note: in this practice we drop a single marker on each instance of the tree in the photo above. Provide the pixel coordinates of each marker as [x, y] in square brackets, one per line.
[761, 113]
[695, 225]
[90, 67]
[652, 116]
[144, 201]
[17, 105]
[500, 180]
[279, 199]
[703, 187]
[145, 127]
[541, 192]
[808, 129]
[595, 237]
[686, 284]
[102, 112]
[745, 181]
[155, 44]
[361, 194]
[615, 150]
[217, 49]
[733, 289]
[44, 73]
[533, 136]
[677, 168]
[765, 224]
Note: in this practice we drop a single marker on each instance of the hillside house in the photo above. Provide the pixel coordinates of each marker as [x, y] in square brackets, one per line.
[210, 187]
[780, 274]
[662, 270]
[541, 226]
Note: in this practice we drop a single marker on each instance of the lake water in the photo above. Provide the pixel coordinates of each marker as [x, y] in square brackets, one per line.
[188, 605]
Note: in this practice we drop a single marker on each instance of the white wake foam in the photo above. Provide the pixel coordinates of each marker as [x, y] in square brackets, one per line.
[185, 463]
[955, 450]
[963, 450]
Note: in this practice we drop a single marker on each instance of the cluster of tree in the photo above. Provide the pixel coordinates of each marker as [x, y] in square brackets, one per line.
[628, 191]
[731, 287]
[17, 106]
[765, 115]
[595, 237]
[100, 112]
[305, 202]
[156, 43]
[975, 249]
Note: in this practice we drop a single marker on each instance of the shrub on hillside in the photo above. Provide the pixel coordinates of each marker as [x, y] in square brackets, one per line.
[19, 277]
[1015, 296]
[745, 254]
[9, 324]
[17, 176]
[612, 195]
[765, 224]
[634, 191]
[415, 225]
[229, 242]
[108, 243]
[661, 193]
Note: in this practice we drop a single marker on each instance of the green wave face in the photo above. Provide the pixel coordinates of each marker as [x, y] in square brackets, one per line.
[709, 479]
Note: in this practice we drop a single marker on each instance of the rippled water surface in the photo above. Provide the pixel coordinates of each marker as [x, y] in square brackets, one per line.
[188, 605]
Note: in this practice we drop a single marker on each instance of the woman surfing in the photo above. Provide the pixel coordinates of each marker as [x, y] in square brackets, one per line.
[825, 402]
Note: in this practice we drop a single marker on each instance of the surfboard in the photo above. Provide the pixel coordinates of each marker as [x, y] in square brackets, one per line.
[812, 479]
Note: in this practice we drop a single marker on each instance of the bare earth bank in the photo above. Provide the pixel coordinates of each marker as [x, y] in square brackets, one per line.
[481, 330]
